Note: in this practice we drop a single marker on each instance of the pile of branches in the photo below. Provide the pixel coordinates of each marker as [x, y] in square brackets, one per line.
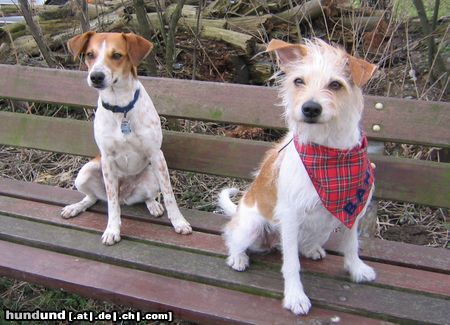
[244, 26]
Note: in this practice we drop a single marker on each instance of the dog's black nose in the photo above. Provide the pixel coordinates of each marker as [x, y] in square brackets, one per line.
[97, 78]
[311, 110]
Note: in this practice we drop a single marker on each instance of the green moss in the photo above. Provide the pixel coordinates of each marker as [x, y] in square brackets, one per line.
[17, 27]
[216, 115]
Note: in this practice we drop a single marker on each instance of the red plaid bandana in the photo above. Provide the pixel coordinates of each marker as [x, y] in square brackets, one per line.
[342, 178]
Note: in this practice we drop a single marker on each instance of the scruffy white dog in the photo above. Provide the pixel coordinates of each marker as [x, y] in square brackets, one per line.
[317, 178]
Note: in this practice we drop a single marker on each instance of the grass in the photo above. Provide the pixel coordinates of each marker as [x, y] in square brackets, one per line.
[19, 295]
[22, 296]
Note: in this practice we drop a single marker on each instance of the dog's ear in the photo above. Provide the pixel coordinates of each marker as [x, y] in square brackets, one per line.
[286, 52]
[138, 47]
[360, 70]
[77, 44]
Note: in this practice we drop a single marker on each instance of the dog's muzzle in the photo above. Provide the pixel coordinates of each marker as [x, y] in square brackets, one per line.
[97, 79]
[311, 111]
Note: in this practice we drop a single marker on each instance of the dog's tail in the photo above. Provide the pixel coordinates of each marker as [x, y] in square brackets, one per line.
[225, 202]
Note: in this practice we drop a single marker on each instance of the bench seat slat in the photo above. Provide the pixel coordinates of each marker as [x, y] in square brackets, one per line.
[398, 179]
[392, 304]
[404, 121]
[387, 275]
[373, 249]
[151, 292]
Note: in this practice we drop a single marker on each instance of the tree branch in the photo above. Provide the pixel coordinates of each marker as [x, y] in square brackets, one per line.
[170, 44]
[435, 62]
[84, 18]
[37, 34]
[145, 31]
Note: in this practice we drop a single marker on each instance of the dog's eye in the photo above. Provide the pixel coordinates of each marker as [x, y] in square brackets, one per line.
[299, 82]
[116, 56]
[335, 85]
[90, 55]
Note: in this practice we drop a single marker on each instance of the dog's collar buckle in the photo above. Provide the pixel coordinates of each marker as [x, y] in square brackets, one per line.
[123, 109]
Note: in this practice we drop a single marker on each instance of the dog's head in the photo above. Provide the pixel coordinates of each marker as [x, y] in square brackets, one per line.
[321, 83]
[110, 57]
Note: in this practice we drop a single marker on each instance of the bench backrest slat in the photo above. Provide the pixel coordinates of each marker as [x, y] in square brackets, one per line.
[404, 121]
[400, 179]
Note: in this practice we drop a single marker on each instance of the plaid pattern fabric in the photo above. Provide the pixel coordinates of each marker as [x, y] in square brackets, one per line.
[342, 178]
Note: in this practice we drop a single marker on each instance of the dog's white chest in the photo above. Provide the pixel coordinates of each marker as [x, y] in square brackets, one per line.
[129, 152]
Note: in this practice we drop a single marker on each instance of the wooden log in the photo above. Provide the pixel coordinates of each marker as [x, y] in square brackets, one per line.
[366, 24]
[150, 6]
[68, 10]
[26, 44]
[54, 27]
[110, 21]
[308, 10]
[260, 72]
[211, 29]
[57, 12]
[192, 22]
[188, 11]
[16, 30]
[183, 22]
[152, 18]
[249, 24]
[241, 41]
[9, 10]
[212, 8]
[5, 52]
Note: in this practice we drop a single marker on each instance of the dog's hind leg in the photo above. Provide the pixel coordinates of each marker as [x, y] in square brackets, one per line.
[89, 181]
[145, 189]
[240, 234]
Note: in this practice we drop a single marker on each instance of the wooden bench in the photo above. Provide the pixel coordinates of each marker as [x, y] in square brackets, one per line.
[153, 268]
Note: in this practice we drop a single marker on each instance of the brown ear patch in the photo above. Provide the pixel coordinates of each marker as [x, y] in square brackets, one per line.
[360, 70]
[77, 44]
[138, 47]
[286, 52]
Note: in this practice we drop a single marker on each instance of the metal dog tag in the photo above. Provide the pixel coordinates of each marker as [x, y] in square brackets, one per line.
[125, 126]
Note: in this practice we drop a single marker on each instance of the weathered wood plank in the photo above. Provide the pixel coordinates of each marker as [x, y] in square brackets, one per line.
[151, 292]
[137, 229]
[332, 265]
[411, 180]
[405, 121]
[398, 253]
[408, 255]
[200, 220]
[396, 178]
[389, 304]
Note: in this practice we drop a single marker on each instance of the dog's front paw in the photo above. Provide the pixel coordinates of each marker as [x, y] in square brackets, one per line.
[181, 226]
[155, 208]
[70, 211]
[361, 272]
[297, 302]
[317, 253]
[238, 262]
[111, 236]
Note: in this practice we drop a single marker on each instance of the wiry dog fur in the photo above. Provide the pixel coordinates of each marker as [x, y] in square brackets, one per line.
[282, 197]
[131, 167]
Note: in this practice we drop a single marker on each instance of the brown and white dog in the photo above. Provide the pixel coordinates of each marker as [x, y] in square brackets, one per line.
[321, 93]
[131, 167]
